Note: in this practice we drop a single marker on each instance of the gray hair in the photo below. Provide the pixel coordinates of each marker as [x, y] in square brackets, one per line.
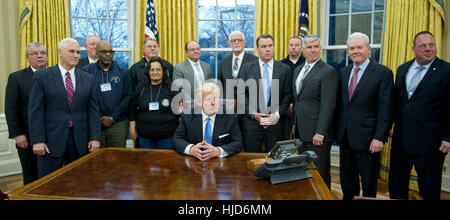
[34, 44]
[358, 35]
[207, 88]
[236, 32]
[63, 44]
[149, 39]
[309, 39]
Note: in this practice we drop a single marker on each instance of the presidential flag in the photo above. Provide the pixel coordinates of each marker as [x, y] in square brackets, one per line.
[303, 19]
[150, 21]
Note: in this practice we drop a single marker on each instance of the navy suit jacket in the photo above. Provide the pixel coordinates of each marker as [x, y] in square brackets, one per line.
[50, 113]
[226, 134]
[422, 122]
[369, 113]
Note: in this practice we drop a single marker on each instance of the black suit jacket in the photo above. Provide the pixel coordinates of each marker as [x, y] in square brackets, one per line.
[369, 113]
[83, 62]
[50, 114]
[226, 134]
[226, 71]
[423, 121]
[314, 106]
[16, 102]
[252, 70]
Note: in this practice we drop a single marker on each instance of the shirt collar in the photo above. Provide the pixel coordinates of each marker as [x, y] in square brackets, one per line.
[241, 56]
[363, 66]
[192, 62]
[261, 63]
[64, 71]
[205, 116]
[415, 64]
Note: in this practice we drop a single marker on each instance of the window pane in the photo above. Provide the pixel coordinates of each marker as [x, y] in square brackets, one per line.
[248, 28]
[207, 34]
[122, 58]
[245, 9]
[337, 58]
[98, 27]
[339, 6]
[97, 8]
[119, 36]
[378, 28]
[362, 23]
[338, 30]
[118, 9]
[379, 5]
[206, 9]
[226, 9]
[361, 5]
[79, 30]
[375, 54]
[210, 58]
[78, 8]
[225, 28]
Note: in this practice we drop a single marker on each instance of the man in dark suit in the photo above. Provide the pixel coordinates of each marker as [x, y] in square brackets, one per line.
[229, 66]
[91, 48]
[315, 86]
[210, 134]
[264, 93]
[365, 109]
[422, 121]
[151, 51]
[191, 73]
[63, 112]
[16, 109]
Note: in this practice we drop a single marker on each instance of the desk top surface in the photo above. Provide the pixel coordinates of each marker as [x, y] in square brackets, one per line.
[133, 174]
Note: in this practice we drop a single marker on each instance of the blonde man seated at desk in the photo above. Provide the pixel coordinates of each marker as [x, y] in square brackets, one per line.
[208, 134]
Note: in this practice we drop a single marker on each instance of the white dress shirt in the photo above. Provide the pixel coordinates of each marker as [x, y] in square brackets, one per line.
[197, 71]
[302, 73]
[63, 74]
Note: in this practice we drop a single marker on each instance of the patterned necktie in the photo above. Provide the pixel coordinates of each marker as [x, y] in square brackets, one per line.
[303, 77]
[70, 91]
[235, 67]
[415, 80]
[353, 84]
[266, 83]
[208, 132]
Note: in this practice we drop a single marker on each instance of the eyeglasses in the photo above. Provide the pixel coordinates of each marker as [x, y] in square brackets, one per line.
[34, 54]
[107, 51]
[236, 41]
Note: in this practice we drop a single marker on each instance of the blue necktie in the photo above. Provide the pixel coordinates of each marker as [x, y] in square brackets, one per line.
[415, 80]
[266, 82]
[208, 132]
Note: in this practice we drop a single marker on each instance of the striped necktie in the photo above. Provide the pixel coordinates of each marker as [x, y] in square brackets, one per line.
[70, 91]
[208, 132]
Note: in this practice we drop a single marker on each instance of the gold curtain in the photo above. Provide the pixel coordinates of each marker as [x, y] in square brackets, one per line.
[176, 21]
[404, 19]
[45, 21]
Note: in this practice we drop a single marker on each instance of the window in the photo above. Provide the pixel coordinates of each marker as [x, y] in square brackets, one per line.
[108, 19]
[343, 17]
[216, 20]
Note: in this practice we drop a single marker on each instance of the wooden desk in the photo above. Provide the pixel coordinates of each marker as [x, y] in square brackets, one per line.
[129, 174]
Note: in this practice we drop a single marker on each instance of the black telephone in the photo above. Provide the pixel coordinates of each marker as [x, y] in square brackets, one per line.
[288, 165]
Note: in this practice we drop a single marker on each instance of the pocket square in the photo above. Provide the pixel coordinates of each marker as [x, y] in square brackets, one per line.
[222, 136]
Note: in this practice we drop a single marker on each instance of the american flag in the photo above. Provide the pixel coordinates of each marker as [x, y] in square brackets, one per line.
[303, 19]
[150, 21]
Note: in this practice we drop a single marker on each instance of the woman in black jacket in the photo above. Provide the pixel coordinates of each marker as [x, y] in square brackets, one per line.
[151, 118]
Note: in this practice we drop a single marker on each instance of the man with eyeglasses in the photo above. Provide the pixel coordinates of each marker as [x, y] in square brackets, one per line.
[91, 44]
[229, 66]
[151, 51]
[114, 93]
[16, 108]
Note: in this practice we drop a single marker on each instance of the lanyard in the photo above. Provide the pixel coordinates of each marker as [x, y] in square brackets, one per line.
[151, 93]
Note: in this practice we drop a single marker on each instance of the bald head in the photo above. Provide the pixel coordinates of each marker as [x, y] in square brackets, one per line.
[105, 54]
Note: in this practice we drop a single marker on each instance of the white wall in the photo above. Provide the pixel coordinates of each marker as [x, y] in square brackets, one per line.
[9, 160]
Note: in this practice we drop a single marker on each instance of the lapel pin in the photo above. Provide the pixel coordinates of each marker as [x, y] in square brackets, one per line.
[434, 69]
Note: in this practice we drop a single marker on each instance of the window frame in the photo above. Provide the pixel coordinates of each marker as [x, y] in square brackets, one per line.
[131, 33]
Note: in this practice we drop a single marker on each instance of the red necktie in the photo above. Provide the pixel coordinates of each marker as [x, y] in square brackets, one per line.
[353, 83]
[69, 92]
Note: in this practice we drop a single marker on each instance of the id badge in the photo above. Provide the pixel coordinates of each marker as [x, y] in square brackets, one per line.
[154, 106]
[105, 87]
[235, 74]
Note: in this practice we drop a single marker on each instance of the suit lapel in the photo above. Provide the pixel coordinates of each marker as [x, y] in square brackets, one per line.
[309, 75]
[345, 78]
[79, 81]
[368, 73]
[217, 129]
[428, 76]
[59, 84]
[294, 81]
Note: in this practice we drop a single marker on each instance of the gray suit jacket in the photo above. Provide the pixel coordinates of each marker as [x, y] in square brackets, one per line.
[184, 76]
[315, 104]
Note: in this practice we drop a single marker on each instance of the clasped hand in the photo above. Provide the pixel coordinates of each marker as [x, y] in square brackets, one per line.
[204, 151]
[266, 120]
